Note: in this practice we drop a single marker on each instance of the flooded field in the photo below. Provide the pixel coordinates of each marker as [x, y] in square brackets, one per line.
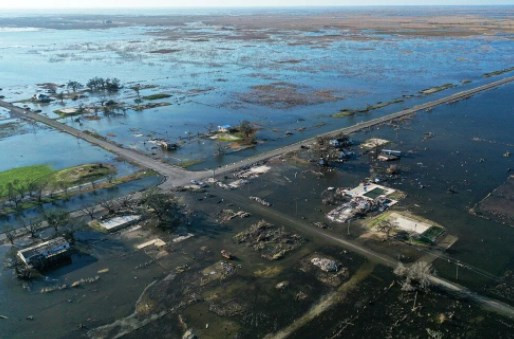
[399, 230]
[288, 82]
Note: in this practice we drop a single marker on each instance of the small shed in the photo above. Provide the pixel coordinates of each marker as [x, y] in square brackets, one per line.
[115, 223]
[42, 255]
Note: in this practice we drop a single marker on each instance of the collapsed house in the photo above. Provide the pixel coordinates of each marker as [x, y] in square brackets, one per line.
[350, 210]
[42, 98]
[389, 155]
[364, 199]
[165, 145]
[45, 254]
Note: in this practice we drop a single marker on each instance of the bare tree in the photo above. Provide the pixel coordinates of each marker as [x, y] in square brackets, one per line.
[57, 219]
[90, 211]
[15, 192]
[32, 226]
[74, 85]
[10, 234]
[60, 96]
[417, 276]
[110, 178]
[64, 189]
[386, 227]
[39, 189]
[109, 205]
[126, 201]
[220, 149]
[165, 209]
[247, 132]
[32, 186]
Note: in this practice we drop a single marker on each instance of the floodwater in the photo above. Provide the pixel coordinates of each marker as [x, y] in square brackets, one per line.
[210, 79]
[452, 158]
[210, 72]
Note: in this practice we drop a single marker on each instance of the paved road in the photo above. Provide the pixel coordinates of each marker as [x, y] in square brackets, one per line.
[279, 218]
[177, 176]
[363, 125]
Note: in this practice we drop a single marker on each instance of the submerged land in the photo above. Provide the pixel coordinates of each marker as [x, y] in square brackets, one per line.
[258, 174]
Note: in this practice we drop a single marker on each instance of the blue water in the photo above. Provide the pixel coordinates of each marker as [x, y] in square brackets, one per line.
[213, 68]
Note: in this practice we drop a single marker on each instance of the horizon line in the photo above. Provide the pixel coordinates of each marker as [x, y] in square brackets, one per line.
[253, 6]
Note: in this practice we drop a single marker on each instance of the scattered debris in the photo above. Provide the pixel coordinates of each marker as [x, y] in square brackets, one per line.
[325, 264]
[389, 155]
[182, 238]
[261, 201]
[227, 255]
[228, 214]
[220, 270]
[227, 309]
[155, 242]
[300, 295]
[272, 242]
[282, 285]
[499, 204]
[165, 145]
[253, 172]
[75, 284]
[374, 143]
[417, 276]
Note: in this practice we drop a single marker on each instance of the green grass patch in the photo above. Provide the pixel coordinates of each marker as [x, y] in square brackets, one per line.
[157, 96]
[21, 175]
[347, 112]
[500, 72]
[344, 113]
[437, 89]
[229, 137]
[379, 219]
[82, 174]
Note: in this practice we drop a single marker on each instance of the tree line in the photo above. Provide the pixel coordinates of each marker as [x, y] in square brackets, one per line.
[96, 84]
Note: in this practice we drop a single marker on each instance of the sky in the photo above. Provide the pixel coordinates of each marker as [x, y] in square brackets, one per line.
[65, 4]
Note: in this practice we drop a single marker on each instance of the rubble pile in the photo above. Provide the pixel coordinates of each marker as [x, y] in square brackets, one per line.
[261, 201]
[228, 214]
[325, 264]
[220, 270]
[228, 309]
[272, 242]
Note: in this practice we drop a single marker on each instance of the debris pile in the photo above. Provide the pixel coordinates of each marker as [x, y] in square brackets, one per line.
[253, 172]
[325, 264]
[272, 242]
[220, 270]
[228, 214]
[261, 201]
[228, 309]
